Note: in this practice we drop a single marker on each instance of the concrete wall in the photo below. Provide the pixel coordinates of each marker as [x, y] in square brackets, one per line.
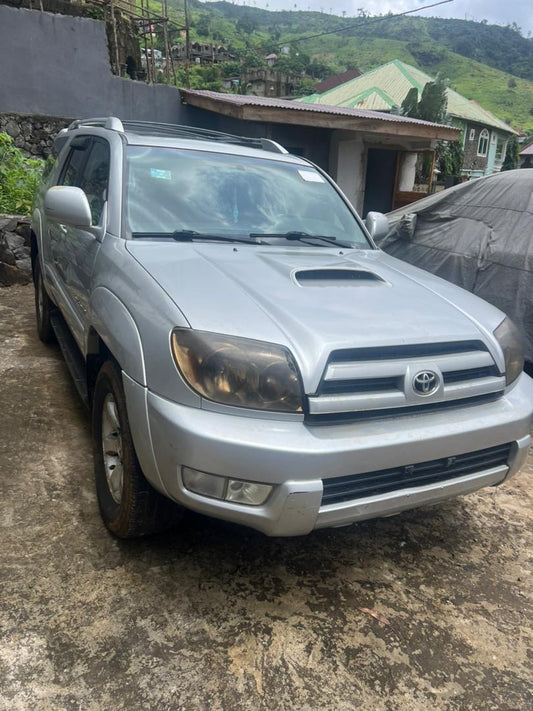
[347, 167]
[55, 65]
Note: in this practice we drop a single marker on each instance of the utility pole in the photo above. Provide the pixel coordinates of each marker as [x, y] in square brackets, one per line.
[187, 45]
[164, 9]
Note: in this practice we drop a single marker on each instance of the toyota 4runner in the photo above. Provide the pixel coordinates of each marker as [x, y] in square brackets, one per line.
[245, 349]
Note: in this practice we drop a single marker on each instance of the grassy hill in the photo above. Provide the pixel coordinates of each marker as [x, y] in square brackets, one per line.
[490, 64]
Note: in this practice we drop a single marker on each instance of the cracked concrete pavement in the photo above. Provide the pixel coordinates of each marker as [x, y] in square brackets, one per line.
[431, 608]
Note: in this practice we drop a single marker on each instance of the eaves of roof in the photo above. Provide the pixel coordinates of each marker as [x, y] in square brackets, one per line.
[258, 108]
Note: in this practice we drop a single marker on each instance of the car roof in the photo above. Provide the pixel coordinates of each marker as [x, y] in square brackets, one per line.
[153, 134]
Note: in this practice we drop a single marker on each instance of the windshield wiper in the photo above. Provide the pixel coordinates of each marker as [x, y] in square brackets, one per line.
[192, 235]
[299, 236]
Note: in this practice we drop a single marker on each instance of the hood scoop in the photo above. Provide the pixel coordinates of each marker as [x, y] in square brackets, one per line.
[337, 277]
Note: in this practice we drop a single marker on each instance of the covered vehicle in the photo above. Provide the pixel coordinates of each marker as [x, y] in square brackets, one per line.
[478, 235]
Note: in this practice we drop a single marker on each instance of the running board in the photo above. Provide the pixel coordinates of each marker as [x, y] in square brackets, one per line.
[71, 353]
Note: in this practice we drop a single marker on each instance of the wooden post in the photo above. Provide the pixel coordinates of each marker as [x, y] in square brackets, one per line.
[115, 40]
[187, 45]
[164, 9]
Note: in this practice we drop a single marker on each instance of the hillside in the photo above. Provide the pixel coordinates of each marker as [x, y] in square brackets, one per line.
[490, 64]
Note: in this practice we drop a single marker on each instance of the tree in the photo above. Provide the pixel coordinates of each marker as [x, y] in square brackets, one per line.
[511, 155]
[433, 102]
[409, 106]
[449, 157]
[203, 25]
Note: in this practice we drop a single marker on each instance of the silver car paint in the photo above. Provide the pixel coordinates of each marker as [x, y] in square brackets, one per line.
[138, 291]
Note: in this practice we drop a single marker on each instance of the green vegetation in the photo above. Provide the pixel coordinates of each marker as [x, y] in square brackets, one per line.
[19, 177]
[511, 155]
[490, 64]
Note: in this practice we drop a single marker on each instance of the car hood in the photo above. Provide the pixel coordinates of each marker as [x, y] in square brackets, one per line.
[312, 300]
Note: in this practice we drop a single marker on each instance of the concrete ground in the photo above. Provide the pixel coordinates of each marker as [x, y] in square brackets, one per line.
[430, 609]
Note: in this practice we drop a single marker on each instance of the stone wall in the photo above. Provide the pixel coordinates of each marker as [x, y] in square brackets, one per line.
[471, 159]
[15, 261]
[34, 134]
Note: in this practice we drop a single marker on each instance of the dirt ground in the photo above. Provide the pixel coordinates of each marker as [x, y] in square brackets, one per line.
[430, 609]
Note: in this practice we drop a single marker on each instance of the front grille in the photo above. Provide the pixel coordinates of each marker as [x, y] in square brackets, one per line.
[381, 380]
[360, 486]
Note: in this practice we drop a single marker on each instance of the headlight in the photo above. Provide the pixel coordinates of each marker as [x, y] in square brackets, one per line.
[238, 371]
[510, 340]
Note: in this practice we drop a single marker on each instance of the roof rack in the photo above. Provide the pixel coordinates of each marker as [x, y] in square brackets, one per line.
[111, 122]
[152, 128]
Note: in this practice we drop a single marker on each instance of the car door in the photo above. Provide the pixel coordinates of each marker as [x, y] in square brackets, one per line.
[57, 232]
[75, 249]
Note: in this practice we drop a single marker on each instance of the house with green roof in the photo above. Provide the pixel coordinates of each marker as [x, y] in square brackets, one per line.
[484, 136]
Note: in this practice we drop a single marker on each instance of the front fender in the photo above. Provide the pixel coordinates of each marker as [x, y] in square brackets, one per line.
[118, 330]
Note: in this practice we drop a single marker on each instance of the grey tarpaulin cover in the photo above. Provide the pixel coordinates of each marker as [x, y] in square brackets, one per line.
[478, 235]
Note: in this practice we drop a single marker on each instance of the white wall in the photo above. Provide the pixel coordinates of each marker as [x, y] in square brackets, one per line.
[347, 166]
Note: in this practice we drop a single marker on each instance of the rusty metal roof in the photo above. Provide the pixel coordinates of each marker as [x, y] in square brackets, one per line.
[271, 103]
[336, 80]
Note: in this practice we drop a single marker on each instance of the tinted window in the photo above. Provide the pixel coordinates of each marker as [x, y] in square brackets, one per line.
[71, 173]
[87, 167]
[173, 189]
[94, 178]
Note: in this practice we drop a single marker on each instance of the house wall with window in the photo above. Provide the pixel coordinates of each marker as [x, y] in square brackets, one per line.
[484, 150]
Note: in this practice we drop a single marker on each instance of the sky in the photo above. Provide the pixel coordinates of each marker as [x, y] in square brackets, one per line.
[497, 12]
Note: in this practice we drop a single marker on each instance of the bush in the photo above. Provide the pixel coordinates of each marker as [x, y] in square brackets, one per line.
[19, 177]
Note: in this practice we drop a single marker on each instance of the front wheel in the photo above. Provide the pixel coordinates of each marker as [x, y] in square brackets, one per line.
[129, 505]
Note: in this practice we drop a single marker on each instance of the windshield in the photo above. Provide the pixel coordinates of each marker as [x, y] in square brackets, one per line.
[171, 190]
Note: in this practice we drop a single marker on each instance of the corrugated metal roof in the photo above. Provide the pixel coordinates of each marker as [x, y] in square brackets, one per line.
[267, 102]
[528, 150]
[388, 85]
[336, 80]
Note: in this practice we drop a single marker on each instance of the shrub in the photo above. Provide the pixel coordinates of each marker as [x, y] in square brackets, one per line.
[19, 177]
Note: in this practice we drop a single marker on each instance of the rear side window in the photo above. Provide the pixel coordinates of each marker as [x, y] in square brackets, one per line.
[87, 167]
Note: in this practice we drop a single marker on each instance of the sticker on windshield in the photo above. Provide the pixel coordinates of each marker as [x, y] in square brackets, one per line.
[310, 176]
[161, 174]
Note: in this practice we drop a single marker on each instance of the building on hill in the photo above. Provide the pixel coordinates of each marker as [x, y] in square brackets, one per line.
[484, 136]
[201, 53]
[264, 81]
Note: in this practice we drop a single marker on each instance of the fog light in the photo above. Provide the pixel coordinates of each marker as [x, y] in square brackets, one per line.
[247, 492]
[219, 487]
[204, 484]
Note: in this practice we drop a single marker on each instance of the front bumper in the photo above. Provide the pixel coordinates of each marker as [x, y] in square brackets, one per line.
[295, 457]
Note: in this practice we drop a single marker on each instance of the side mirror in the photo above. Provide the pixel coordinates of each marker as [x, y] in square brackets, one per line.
[68, 205]
[377, 225]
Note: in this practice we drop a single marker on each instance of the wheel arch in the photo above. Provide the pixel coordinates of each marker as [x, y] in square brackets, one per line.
[113, 334]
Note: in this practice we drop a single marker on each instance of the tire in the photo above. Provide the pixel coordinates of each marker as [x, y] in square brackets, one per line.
[43, 307]
[129, 505]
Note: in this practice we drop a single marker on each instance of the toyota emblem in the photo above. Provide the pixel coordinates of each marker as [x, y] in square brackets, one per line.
[426, 382]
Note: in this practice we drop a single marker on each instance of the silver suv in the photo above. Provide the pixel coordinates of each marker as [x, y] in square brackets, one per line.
[245, 349]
